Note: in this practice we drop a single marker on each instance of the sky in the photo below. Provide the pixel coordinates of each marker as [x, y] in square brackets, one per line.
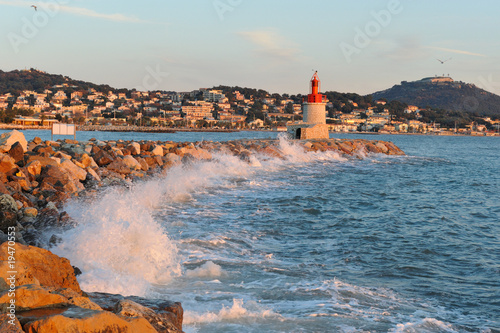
[356, 46]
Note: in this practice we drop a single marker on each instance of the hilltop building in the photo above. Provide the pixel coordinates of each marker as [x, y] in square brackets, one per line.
[313, 125]
[437, 79]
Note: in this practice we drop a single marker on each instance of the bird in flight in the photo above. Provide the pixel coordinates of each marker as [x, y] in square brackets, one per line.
[443, 61]
[34, 7]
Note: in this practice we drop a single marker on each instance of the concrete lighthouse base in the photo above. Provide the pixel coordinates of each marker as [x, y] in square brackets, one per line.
[304, 131]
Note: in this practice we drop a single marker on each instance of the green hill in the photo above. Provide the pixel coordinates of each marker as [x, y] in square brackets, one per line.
[18, 80]
[444, 93]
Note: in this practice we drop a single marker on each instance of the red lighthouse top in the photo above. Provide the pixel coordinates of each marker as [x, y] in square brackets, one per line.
[315, 96]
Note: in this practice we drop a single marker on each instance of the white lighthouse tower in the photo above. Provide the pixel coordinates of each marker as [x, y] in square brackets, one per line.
[313, 125]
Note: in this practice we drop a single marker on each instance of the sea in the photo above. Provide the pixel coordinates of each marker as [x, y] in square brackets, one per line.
[314, 242]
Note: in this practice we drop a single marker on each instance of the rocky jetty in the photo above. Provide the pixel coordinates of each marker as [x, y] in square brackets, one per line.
[37, 177]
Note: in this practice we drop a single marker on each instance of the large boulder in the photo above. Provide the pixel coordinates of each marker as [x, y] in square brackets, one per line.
[74, 170]
[36, 264]
[119, 166]
[60, 179]
[78, 320]
[7, 140]
[31, 296]
[131, 162]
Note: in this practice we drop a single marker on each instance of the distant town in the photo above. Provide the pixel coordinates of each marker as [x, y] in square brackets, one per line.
[229, 108]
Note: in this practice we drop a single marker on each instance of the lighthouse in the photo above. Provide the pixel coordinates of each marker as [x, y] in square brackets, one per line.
[313, 125]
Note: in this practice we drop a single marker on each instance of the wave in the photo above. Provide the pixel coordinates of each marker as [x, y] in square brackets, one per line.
[119, 244]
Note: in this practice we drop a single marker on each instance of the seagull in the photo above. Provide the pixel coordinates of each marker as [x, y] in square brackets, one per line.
[443, 61]
[34, 7]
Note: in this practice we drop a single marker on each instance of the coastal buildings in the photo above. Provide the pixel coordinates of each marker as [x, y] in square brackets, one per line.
[311, 116]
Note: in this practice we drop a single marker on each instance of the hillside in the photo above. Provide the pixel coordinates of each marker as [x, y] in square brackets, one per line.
[16, 81]
[444, 93]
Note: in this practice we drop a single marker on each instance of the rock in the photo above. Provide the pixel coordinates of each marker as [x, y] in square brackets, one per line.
[48, 217]
[272, 152]
[160, 321]
[92, 175]
[44, 150]
[9, 323]
[345, 147]
[199, 154]
[31, 296]
[147, 146]
[17, 152]
[44, 160]
[143, 163]
[25, 199]
[60, 179]
[131, 162]
[157, 151]
[393, 149]
[23, 180]
[3, 238]
[117, 151]
[34, 168]
[308, 145]
[37, 140]
[370, 147]
[173, 159]
[8, 212]
[150, 160]
[169, 313]
[134, 148]
[119, 166]
[76, 299]
[87, 161]
[103, 158]
[7, 140]
[78, 320]
[73, 170]
[382, 147]
[7, 163]
[30, 212]
[49, 269]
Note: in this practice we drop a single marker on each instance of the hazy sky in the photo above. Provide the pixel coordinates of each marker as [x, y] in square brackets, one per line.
[356, 46]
